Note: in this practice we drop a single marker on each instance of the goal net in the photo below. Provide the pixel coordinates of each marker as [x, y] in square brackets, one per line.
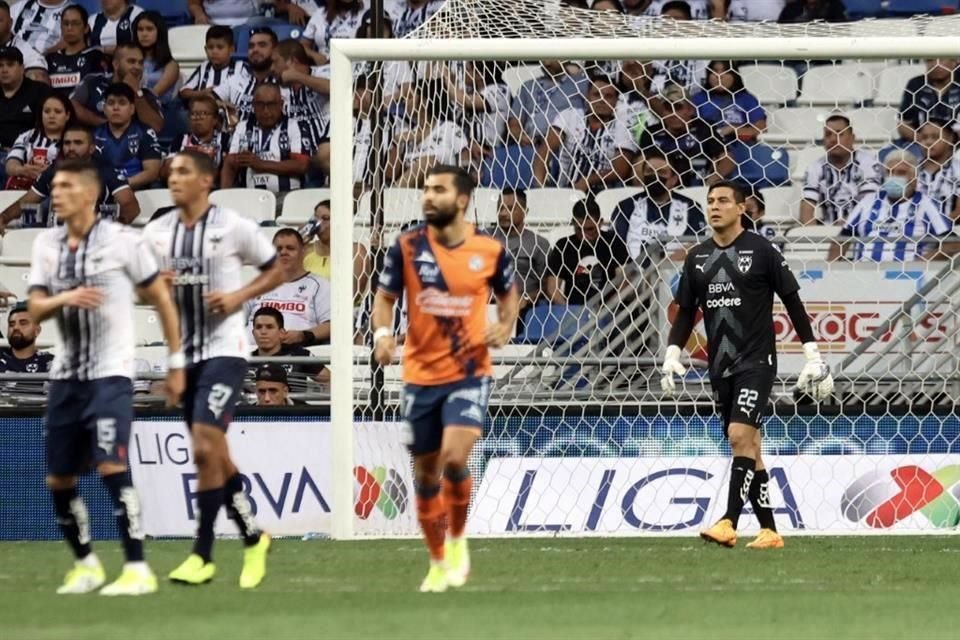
[592, 137]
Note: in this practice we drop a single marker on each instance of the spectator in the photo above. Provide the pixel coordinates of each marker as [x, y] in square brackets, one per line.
[237, 90]
[481, 104]
[37, 148]
[528, 250]
[75, 59]
[304, 299]
[317, 258]
[228, 13]
[362, 136]
[594, 148]
[20, 97]
[642, 221]
[698, 9]
[395, 75]
[219, 67]
[336, 19]
[581, 265]
[22, 356]
[113, 25]
[31, 59]
[206, 134]
[432, 136]
[888, 226]
[540, 100]
[266, 151]
[811, 10]
[634, 106]
[269, 335]
[688, 142]
[161, 72]
[125, 144]
[755, 208]
[116, 199]
[688, 74]
[306, 93]
[936, 94]
[754, 10]
[612, 6]
[90, 95]
[273, 389]
[408, 15]
[726, 105]
[939, 174]
[38, 22]
[841, 178]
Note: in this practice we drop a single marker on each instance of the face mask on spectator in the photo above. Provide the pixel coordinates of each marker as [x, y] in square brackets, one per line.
[895, 186]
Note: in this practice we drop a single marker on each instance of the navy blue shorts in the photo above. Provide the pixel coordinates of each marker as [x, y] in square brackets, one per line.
[428, 409]
[213, 389]
[88, 422]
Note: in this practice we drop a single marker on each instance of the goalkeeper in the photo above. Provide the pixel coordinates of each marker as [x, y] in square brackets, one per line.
[732, 277]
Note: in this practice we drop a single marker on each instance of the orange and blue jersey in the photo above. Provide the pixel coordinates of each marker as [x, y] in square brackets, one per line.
[447, 289]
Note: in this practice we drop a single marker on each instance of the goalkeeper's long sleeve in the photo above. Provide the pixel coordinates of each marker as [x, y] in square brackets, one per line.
[683, 327]
[798, 316]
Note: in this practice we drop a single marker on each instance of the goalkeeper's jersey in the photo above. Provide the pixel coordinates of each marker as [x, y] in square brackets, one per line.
[734, 288]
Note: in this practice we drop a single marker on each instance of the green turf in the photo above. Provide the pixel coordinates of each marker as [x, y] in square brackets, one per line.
[879, 587]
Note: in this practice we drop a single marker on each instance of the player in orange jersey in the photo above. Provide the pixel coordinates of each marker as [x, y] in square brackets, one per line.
[447, 269]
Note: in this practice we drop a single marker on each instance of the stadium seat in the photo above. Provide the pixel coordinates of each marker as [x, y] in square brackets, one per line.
[771, 84]
[14, 279]
[608, 199]
[484, 207]
[836, 85]
[241, 35]
[759, 165]
[400, 206]
[801, 159]
[150, 200]
[553, 323]
[298, 205]
[783, 204]
[7, 198]
[92, 6]
[794, 125]
[551, 205]
[187, 44]
[514, 77]
[893, 80]
[933, 7]
[147, 327]
[857, 9]
[697, 194]
[18, 244]
[510, 166]
[259, 205]
[875, 124]
[811, 242]
[175, 12]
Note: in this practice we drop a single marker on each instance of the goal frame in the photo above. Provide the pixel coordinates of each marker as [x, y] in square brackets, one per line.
[344, 52]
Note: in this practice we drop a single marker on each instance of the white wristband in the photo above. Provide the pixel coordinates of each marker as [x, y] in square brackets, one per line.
[381, 333]
[176, 360]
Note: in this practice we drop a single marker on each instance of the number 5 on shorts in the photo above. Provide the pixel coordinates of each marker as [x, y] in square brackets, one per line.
[106, 434]
[218, 398]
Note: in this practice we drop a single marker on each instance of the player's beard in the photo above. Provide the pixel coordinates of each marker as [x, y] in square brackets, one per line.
[441, 218]
[19, 341]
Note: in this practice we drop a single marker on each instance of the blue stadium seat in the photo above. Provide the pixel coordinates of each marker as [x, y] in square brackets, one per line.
[760, 165]
[510, 166]
[553, 323]
[92, 6]
[241, 33]
[863, 8]
[175, 12]
[933, 7]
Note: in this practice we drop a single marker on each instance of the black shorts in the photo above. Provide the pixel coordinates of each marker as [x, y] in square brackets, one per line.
[429, 409]
[743, 397]
[88, 422]
[213, 389]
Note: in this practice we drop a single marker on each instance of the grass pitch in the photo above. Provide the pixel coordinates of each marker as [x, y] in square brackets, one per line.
[877, 587]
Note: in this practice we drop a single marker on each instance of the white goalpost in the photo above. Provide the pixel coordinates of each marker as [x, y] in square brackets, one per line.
[588, 478]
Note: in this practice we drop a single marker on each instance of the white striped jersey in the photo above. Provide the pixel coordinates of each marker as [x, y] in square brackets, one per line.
[304, 303]
[320, 30]
[32, 59]
[105, 32]
[33, 144]
[309, 109]
[699, 9]
[837, 191]
[888, 231]
[237, 90]
[230, 12]
[95, 343]
[406, 18]
[206, 257]
[586, 150]
[206, 75]
[282, 142]
[38, 24]
[943, 185]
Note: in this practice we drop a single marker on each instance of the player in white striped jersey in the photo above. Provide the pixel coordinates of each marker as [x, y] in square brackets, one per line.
[202, 248]
[84, 274]
[897, 224]
[939, 174]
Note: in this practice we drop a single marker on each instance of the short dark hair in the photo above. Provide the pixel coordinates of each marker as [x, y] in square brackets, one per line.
[220, 32]
[264, 31]
[322, 203]
[520, 195]
[586, 207]
[79, 166]
[128, 45]
[292, 50]
[20, 307]
[268, 85]
[120, 90]
[84, 14]
[270, 312]
[201, 161]
[288, 231]
[757, 195]
[78, 126]
[207, 99]
[677, 5]
[838, 116]
[4, 6]
[462, 181]
[739, 193]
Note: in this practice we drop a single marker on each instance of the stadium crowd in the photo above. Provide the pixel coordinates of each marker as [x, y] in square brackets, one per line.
[101, 81]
